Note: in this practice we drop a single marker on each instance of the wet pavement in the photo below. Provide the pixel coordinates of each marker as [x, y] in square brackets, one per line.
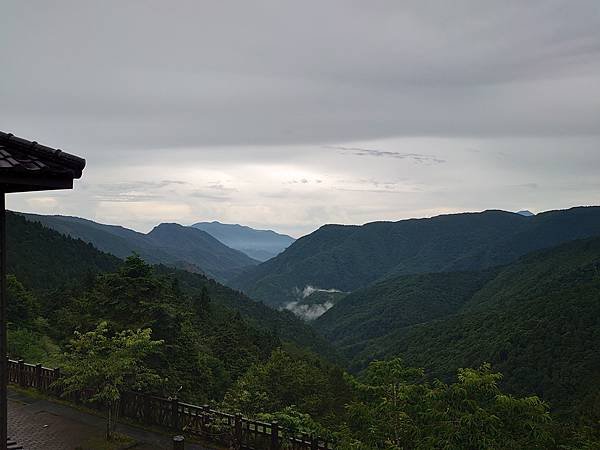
[39, 424]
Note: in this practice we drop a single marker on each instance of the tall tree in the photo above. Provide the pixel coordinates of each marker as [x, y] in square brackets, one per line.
[108, 365]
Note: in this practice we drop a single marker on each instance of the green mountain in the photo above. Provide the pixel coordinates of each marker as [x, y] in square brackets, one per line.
[169, 244]
[44, 259]
[189, 245]
[347, 258]
[314, 302]
[50, 262]
[399, 302]
[537, 321]
[258, 244]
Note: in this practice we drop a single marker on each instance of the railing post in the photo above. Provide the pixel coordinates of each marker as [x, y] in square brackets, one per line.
[314, 442]
[205, 417]
[38, 376]
[56, 376]
[175, 413]
[274, 435]
[21, 373]
[178, 443]
[238, 430]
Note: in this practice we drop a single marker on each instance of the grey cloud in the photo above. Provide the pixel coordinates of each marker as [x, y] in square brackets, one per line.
[358, 151]
[528, 186]
[131, 191]
[214, 191]
[300, 73]
[242, 90]
[126, 197]
[135, 185]
[303, 181]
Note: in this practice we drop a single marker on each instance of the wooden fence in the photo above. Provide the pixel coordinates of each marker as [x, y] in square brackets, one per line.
[231, 430]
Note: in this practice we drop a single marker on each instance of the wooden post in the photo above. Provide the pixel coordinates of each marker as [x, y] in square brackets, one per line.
[178, 443]
[205, 417]
[21, 373]
[38, 376]
[238, 430]
[3, 345]
[175, 413]
[146, 408]
[314, 442]
[56, 376]
[275, 435]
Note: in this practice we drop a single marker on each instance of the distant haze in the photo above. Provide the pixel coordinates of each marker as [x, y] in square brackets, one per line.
[287, 115]
[258, 244]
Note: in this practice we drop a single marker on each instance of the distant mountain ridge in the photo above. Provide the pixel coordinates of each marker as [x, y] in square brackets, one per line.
[349, 257]
[171, 244]
[258, 244]
[525, 213]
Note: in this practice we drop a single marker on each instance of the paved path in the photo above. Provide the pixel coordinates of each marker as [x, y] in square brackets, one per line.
[39, 424]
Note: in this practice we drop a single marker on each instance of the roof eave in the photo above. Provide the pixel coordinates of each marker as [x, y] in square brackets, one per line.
[10, 184]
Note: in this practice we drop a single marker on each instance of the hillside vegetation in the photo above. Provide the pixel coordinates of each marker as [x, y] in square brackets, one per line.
[55, 266]
[399, 302]
[536, 320]
[171, 244]
[351, 257]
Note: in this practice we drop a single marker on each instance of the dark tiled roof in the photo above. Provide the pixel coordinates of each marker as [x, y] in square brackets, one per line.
[20, 156]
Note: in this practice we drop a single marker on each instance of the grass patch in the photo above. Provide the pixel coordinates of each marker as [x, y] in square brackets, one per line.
[117, 442]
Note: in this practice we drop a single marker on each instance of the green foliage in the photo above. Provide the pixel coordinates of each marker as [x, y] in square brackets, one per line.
[168, 243]
[399, 302]
[310, 385]
[537, 321]
[31, 345]
[42, 259]
[21, 305]
[202, 354]
[283, 325]
[109, 364]
[294, 421]
[351, 257]
[398, 409]
[212, 334]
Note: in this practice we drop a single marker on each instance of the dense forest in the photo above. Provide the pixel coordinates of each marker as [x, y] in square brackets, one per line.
[537, 321]
[207, 343]
[168, 243]
[350, 257]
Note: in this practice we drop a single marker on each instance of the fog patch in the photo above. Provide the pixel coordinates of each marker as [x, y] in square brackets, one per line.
[308, 312]
[309, 309]
[309, 290]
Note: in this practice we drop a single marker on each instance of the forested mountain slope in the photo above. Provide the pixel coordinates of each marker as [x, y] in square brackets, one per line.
[258, 244]
[189, 245]
[170, 244]
[56, 265]
[44, 259]
[351, 257]
[399, 302]
[537, 321]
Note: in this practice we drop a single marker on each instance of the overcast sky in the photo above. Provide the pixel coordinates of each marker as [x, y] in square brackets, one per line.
[288, 115]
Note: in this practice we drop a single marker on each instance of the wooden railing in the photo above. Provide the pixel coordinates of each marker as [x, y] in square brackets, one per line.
[202, 421]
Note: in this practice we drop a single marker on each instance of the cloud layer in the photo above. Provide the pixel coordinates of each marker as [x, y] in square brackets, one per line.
[291, 114]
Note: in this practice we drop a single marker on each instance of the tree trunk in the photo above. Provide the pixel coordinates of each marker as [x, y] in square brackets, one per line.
[108, 424]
